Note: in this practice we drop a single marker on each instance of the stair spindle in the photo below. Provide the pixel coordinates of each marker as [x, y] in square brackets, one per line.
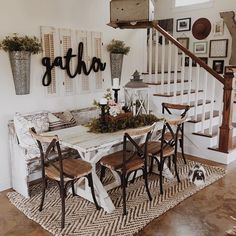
[163, 63]
[150, 56]
[196, 91]
[156, 56]
[204, 101]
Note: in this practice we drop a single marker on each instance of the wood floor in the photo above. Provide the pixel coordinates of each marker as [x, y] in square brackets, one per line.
[207, 213]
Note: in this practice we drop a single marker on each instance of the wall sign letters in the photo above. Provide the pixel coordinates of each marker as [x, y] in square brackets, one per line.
[64, 64]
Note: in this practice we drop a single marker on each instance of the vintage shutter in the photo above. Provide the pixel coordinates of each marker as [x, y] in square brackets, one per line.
[84, 80]
[97, 52]
[69, 84]
[49, 42]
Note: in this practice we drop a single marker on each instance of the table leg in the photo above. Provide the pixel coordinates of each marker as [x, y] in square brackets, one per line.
[100, 190]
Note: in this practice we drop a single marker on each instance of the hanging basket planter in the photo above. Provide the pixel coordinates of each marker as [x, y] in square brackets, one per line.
[20, 66]
[117, 51]
[20, 49]
[116, 65]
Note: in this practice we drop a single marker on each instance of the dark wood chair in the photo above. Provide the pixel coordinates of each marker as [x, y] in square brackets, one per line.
[64, 171]
[129, 160]
[169, 107]
[160, 151]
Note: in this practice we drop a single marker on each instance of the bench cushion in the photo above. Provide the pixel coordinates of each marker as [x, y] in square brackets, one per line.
[22, 124]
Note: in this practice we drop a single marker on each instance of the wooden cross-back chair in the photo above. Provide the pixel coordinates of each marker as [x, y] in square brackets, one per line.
[129, 160]
[160, 151]
[64, 171]
[169, 107]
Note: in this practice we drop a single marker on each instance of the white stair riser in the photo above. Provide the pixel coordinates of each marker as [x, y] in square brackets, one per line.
[157, 88]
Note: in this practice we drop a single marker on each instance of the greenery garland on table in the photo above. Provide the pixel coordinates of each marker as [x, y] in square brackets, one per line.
[115, 125]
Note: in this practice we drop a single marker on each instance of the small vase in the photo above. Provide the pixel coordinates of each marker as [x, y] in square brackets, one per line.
[116, 65]
[20, 65]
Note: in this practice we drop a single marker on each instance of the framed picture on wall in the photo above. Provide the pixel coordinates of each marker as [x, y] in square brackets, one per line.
[185, 42]
[218, 28]
[218, 66]
[200, 47]
[183, 24]
[204, 59]
[218, 48]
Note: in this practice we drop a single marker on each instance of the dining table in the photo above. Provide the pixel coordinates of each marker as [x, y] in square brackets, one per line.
[91, 148]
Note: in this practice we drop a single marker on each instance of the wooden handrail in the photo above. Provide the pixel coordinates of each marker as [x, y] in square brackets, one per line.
[187, 52]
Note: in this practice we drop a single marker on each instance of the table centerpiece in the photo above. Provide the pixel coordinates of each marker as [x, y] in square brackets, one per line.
[116, 116]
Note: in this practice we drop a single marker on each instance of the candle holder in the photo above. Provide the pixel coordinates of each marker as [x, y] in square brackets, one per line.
[116, 94]
[103, 118]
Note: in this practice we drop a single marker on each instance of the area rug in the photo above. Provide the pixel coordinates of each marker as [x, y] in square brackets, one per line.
[83, 219]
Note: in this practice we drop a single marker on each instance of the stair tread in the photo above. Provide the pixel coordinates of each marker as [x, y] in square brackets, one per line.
[159, 72]
[207, 117]
[165, 82]
[199, 103]
[178, 93]
[206, 132]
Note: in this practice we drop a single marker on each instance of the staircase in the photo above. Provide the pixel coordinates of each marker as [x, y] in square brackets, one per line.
[209, 133]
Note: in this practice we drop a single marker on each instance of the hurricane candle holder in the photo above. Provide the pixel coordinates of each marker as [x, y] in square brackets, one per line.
[116, 90]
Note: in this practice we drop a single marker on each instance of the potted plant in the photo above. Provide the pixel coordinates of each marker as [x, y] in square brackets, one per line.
[20, 49]
[117, 49]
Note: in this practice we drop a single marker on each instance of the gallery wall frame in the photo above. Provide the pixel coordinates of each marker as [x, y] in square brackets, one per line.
[218, 28]
[218, 48]
[218, 66]
[200, 47]
[184, 41]
[183, 24]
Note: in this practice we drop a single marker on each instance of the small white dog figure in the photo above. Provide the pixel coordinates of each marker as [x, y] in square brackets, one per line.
[197, 175]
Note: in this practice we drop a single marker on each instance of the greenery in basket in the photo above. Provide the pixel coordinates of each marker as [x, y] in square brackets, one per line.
[118, 46]
[114, 125]
[21, 43]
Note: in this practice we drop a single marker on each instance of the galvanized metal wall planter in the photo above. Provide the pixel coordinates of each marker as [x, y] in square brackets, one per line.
[20, 65]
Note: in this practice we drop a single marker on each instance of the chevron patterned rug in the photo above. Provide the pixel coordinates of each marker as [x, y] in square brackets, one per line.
[83, 219]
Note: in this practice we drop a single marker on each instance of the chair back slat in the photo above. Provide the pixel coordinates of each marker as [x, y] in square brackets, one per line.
[42, 138]
[52, 143]
[140, 131]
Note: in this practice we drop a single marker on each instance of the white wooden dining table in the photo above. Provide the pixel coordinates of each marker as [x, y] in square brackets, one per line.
[92, 147]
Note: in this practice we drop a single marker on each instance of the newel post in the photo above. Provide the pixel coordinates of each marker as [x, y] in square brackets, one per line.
[226, 129]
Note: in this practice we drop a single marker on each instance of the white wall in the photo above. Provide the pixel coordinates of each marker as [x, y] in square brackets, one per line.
[26, 17]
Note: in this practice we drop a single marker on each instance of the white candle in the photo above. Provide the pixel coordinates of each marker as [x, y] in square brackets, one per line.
[116, 83]
[103, 101]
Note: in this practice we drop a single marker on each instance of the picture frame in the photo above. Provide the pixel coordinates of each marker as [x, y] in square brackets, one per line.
[187, 60]
[218, 28]
[200, 47]
[184, 41]
[218, 66]
[204, 59]
[183, 24]
[218, 48]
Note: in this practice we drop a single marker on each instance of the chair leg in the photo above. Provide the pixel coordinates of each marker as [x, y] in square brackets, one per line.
[169, 162]
[73, 188]
[62, 193]
[123, 184]
[44, 186]
[103, 172]
[176, 170]
[161, 169]
[181, 141]
[90, 179]
[134, 176]
[151, 165]
[146, 183]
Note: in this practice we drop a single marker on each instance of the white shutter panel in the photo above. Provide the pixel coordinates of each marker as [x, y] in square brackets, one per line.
[66, 43]
[97, 52]
[84, 37]
[49, 42]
